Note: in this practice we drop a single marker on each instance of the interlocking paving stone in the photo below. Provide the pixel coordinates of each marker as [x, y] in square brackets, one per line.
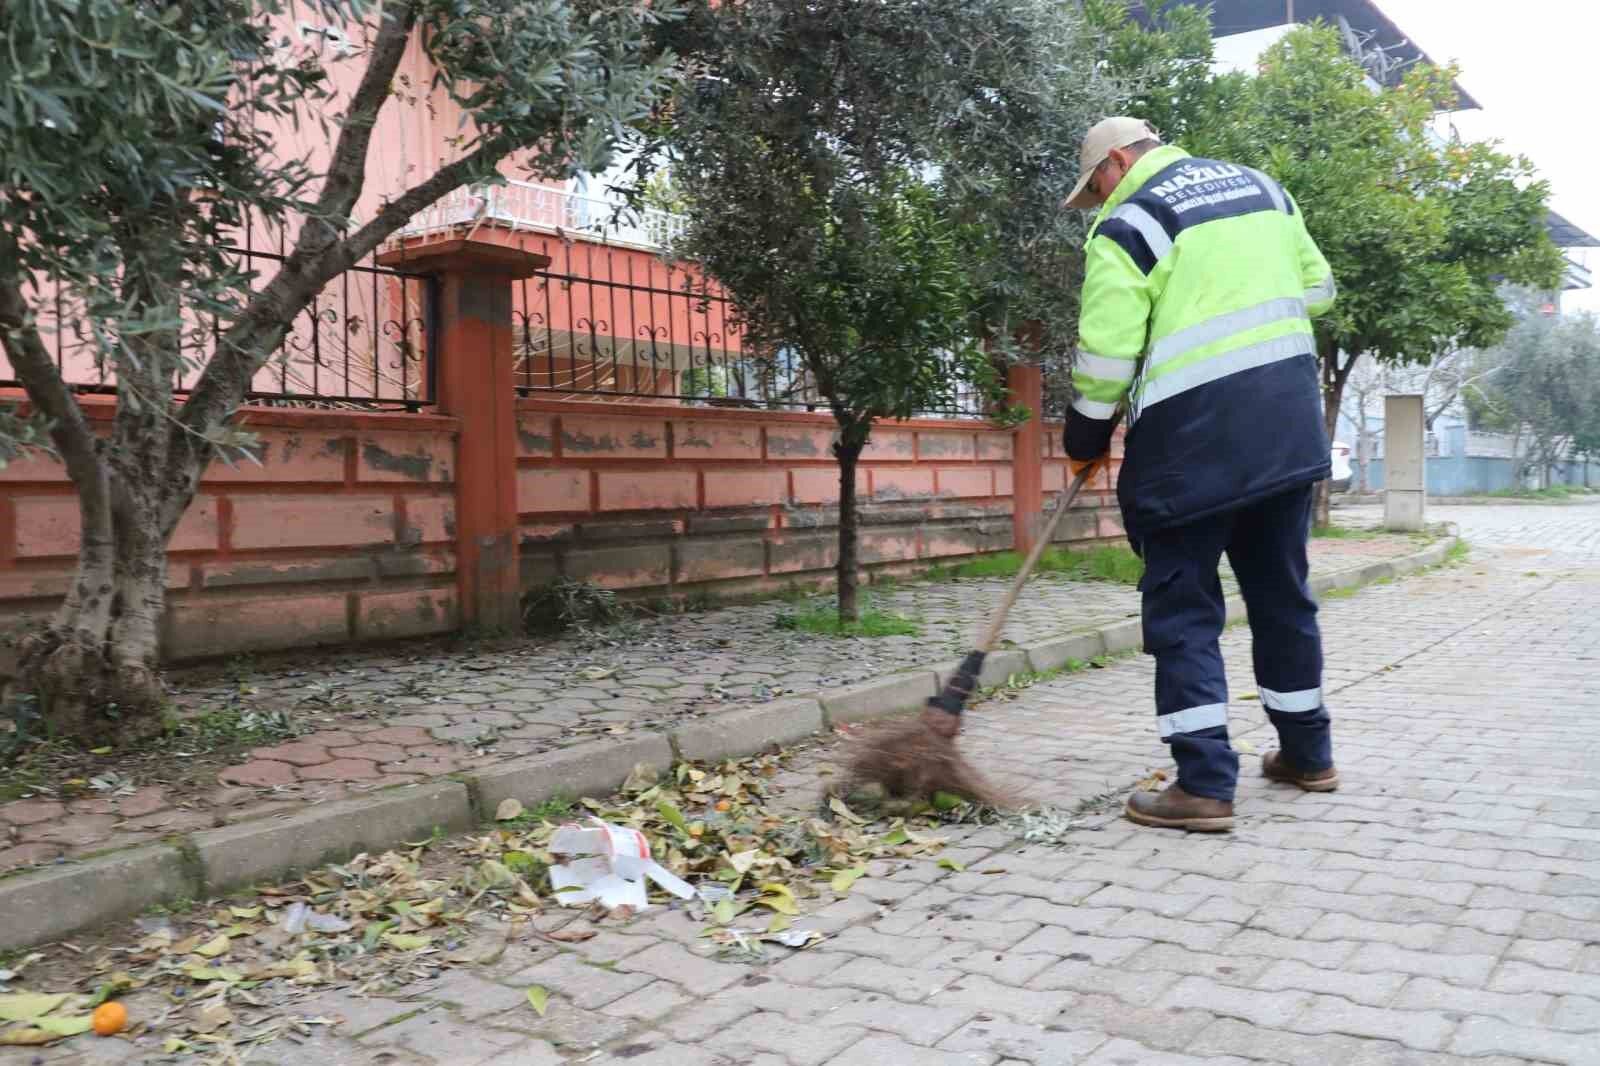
[1469, 689]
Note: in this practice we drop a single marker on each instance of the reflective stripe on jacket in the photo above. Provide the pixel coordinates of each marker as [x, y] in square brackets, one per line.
[1201, 282]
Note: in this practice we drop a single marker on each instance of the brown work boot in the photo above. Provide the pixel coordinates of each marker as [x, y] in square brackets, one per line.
[1177, 809]
[1276, 768]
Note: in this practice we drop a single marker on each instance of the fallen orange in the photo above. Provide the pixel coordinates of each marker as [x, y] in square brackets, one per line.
[109, 1018]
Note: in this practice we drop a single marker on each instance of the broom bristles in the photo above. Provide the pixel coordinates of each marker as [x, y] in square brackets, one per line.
[911, 761]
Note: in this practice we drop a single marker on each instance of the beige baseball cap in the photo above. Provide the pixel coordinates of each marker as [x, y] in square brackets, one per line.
[1119, 131]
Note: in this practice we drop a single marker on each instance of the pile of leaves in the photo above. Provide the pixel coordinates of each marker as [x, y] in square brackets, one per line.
[755, 868]
[234, 974]
[228, 977]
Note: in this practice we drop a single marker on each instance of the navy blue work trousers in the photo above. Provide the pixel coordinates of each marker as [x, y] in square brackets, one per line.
[1184, 613]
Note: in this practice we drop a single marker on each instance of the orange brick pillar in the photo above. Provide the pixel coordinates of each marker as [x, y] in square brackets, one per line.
[1026, 385]
[475, 368]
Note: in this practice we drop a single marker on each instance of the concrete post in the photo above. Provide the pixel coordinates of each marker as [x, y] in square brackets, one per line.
[1404, 468]
[1027, 457]
[475, 364]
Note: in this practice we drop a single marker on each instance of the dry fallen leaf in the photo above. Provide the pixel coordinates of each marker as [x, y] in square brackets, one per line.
[26, 1006]
[1151, 783]
[212, 1018]
[571, 936]
[837, 806]
[214, 947]
[32, 1037]
[845, 878]
[66, 1025]
[407, 941]
[508, 809]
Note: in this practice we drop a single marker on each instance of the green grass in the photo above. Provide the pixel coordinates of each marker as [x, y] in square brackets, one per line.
[822, 619]
[232, 726]
[1343, 533]
[19, 783]
[1114, 564]
[1554, 492]
[551, 810]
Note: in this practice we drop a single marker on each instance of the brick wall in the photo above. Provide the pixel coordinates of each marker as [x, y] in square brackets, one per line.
[345, 531]
[669, 498]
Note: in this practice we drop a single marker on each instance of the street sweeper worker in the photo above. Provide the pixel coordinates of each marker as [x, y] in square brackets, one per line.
[1200, 286]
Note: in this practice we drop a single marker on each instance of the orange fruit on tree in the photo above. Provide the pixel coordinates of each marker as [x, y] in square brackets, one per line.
[109, 1018]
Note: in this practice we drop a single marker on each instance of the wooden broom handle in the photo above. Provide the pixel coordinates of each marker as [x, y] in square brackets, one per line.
[997, 622]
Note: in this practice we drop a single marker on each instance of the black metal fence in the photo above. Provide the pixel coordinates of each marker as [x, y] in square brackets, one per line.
[606, 324]
[599, 323]
[366, 342]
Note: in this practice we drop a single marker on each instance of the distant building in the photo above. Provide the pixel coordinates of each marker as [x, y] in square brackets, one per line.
[1574, 243]
[1459, 460]
[1243, 29]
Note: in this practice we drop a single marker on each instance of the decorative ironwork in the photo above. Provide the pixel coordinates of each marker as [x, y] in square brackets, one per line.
[366, 342]
[610, 324]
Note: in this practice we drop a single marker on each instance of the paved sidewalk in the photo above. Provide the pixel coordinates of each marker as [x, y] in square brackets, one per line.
[1441, 909]
[379, 719]
[1543, 534]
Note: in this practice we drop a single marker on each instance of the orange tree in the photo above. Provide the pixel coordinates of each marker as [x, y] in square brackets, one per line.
[1420, 230]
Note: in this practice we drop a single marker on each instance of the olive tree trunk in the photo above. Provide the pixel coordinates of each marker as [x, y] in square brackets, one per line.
[94, 667]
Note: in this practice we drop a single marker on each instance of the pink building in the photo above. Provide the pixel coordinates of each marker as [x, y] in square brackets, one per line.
[423, 464]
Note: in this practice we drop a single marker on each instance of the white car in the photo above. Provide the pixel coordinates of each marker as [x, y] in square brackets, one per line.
[1341, 467]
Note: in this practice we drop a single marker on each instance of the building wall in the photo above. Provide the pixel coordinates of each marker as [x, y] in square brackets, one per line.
[1466, 475]
[676, 499]
[344, 531]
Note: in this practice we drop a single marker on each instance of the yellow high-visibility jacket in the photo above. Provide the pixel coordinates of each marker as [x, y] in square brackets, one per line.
[1197, 302]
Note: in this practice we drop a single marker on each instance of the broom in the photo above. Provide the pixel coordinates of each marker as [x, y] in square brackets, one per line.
[919, 758]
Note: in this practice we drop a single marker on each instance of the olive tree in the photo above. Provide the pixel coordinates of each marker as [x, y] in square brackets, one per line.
[1542, 382]
[136, 138]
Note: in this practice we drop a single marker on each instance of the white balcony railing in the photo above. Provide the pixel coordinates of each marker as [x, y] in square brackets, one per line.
[521, 205]
[1576, 276]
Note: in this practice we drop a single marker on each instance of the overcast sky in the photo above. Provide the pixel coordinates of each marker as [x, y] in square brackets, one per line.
[1534, 66]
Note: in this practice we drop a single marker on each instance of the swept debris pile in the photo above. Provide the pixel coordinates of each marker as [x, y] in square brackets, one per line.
[240, 972]
[750, 864]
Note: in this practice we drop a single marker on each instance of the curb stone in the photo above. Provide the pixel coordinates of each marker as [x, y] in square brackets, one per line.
[38, 906]
[749, 729]
[1047, 655]
[250, 852]
[877, 699]
[1124, 636]
[998, 667]
[43, 905]
[593, 768]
